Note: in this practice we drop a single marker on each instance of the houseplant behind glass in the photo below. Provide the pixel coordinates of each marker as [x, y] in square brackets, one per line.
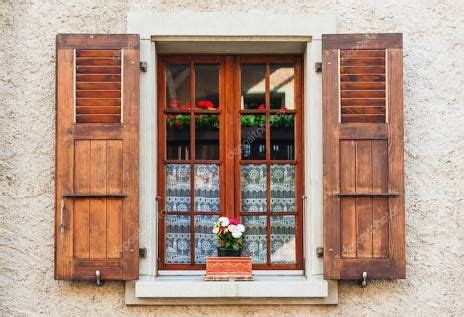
[229, 236]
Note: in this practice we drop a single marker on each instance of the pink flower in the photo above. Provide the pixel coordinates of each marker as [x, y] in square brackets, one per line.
[233, 220]
[261, 107]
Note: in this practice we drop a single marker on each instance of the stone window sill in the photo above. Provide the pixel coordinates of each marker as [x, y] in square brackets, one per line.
[265, 289]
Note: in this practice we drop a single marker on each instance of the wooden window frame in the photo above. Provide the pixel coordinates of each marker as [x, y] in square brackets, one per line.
[229, 139]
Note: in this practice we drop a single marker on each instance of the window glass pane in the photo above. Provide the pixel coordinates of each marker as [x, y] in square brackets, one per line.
[207, 187]
[253, 186]
[205, 239]
[253, 135]
[282, 137]
[254, 239]
[283, 239]
[282, 86]
[177, 239]
[178, 137]
[282, 187]
[206, 137]
[178, 86]
[207, 86]
[177, 187]
[253, 82]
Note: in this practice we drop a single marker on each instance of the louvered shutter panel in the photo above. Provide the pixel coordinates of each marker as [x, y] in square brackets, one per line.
[364, 229]
[97, 127]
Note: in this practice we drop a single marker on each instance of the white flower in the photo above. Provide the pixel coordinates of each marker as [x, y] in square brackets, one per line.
[215, 230]
[224, 221]
[232, 228]
[236, 234]
[241, 227]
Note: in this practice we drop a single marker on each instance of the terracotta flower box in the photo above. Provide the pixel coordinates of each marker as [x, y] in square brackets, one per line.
[227, 268]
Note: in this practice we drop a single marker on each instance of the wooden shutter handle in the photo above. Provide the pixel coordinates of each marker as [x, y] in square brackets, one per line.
[62, 226]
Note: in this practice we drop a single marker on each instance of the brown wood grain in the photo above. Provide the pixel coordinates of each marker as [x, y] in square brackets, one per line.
[374, 123]
[98, 157]
[97, 218]
[81, 206]
[348, 205]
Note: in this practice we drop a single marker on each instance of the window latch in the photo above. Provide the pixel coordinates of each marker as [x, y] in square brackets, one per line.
[143, 66]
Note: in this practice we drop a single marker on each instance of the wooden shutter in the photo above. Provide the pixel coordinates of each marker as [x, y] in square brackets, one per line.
[363, 156]
[97, 127]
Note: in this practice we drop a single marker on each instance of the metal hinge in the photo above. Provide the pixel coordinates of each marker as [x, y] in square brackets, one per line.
[142, 252]
[320, 252]
[143, 66]
[318, 67]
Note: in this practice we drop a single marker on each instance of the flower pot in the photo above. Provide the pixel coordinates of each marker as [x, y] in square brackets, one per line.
[229, 252]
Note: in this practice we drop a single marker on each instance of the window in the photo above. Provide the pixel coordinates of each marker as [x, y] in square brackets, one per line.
[230, 144]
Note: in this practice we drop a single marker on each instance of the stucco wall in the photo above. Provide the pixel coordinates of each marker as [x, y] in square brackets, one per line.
[434, 152]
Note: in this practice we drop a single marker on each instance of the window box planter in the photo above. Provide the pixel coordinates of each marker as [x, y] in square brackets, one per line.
[226, 268]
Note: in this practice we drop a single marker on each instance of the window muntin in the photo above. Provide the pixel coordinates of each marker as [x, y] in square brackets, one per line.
[264, 157]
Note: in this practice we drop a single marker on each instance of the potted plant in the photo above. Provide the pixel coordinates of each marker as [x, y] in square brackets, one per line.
[229, 236]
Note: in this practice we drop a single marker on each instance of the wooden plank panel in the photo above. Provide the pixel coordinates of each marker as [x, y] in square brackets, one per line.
[353, 61]
[98, 70]
[348, 204]
[98, 110]
[364, 204]
[98, 53]
[360, 101]
[362, 78]
[380, 205]
[362, 70]
[362, 86]
[364, 118]
[363, 110]
[98, 78]
[81, 206]
[98, 118]
[98, 94]
[97, 217]
[98, 102]
[114, 206]
[99, 86]
[98, 61]
[362, 54]
[363, 93]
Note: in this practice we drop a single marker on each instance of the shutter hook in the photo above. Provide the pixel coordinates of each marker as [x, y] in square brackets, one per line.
[364, 279]
[98, 274]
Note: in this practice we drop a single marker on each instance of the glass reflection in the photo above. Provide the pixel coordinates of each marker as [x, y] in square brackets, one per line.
[178, 137]
[253, 86]
[282, 86]
[206, 137]
[282, 137]
[178, 86]
[207, 86]
[283, 249]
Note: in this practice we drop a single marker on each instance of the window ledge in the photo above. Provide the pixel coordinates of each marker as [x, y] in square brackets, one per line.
[166, 290]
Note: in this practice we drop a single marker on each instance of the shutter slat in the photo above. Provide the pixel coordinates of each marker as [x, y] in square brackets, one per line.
[97, 154]
[363, 156]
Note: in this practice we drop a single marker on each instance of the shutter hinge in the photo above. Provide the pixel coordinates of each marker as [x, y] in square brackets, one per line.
[143, 66]
[364, 280]
[143, 252]
[318, 67]
[320, 252]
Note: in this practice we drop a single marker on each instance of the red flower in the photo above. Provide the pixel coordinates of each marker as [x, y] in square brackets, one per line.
[283, 108]
[177, 123]
[185, 107]
[261, 107]
[233, 221]
[174, 103]
[205, 104]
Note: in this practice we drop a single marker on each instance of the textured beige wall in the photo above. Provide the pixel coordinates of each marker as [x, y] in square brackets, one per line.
[434, 151]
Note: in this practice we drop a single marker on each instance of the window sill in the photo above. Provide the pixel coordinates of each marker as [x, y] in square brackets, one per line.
[265, 289]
